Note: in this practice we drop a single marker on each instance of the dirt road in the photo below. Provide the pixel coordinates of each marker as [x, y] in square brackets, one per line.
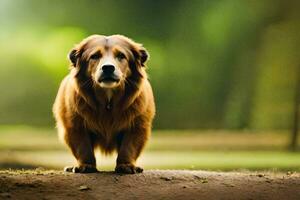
[153, 184]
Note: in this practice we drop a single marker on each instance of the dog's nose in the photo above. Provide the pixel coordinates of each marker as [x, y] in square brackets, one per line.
[108, 69]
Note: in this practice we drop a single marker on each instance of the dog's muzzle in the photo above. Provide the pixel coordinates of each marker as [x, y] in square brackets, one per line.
[108, 74]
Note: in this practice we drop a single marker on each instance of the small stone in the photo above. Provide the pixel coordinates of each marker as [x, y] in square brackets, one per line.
[228, 185]
[197, 177]
[83, 188]
[204, 181]
[289, 173]
[166, 178]
[260, 175]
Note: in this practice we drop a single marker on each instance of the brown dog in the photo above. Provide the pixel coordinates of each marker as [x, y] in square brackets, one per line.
[106, 101]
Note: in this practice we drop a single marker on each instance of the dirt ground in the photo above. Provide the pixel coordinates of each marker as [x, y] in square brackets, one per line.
[152, 184]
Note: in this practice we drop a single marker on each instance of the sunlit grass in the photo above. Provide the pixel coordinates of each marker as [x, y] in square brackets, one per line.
[208, 150]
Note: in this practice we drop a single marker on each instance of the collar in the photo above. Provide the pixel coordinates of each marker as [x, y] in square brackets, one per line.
[108, 105]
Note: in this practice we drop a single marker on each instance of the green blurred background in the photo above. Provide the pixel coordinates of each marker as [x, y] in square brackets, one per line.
[224, 74]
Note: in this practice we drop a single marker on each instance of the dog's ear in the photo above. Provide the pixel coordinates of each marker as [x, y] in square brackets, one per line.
[141, 54]
[73, 56]
[144, 56]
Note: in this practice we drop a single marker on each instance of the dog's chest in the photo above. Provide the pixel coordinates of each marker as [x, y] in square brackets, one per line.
[107, 123]
[108, 119]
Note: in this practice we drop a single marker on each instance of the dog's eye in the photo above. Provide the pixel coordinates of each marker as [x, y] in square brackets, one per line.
[95, 56]
[120, 56]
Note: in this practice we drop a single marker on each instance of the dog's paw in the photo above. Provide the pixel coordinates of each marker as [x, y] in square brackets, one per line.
[128, 169]
[81, 169]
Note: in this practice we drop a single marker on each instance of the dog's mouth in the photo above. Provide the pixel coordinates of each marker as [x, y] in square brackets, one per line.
[108, 79]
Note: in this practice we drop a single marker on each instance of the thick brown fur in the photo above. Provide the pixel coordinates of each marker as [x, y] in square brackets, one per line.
[87, 118]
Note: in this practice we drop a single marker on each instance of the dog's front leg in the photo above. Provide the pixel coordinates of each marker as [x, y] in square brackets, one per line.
[79, 141]
[131, 145]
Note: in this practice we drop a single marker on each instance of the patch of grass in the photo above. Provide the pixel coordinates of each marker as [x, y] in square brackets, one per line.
[224, 160]
[209, 150]
[28, 138]
[194, 140]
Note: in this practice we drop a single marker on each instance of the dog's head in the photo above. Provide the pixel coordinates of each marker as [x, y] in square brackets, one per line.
[108, 61]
